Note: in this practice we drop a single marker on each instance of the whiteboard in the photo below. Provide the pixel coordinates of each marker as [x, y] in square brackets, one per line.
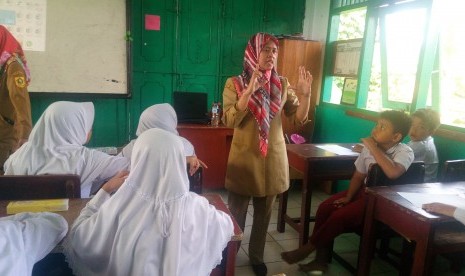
[84, 49]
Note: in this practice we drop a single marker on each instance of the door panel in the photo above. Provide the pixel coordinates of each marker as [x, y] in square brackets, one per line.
[198, 37]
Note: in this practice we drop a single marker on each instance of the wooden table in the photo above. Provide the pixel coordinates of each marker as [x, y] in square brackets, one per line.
[227, 265]
[75, 207]
[413, 223]
[315, 164]
[212, 146]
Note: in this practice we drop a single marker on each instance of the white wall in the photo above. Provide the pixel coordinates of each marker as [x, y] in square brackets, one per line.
[315, 24]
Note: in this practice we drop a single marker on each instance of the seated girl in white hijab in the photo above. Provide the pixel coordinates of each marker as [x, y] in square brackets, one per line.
[26, 238]
[164, 117]
[55, 146]
[152, 225]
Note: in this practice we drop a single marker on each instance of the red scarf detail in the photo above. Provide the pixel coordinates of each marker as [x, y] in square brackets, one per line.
[265, 102]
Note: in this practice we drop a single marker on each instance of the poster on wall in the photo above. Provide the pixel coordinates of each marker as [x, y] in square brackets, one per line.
[347, 57]
[349, 91]
[26, 20]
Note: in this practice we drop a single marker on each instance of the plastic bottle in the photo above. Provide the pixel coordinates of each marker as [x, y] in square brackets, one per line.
[215, 119]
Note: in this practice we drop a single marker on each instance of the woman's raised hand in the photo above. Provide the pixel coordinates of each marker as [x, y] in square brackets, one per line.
[255, 81]
[304, 84]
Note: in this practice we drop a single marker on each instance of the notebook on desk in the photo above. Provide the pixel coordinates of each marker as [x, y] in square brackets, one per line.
[191, 107]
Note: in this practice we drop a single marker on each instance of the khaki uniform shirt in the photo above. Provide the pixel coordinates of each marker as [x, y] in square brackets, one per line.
[248, 172]
[15, 107]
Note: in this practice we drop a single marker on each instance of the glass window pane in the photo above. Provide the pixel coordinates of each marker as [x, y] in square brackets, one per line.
[452, 64]
[404, 37]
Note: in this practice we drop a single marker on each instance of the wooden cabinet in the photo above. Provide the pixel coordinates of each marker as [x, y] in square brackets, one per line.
[298, 52]
[212, 146]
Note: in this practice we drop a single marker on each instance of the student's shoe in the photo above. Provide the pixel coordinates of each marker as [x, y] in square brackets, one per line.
[259, 269]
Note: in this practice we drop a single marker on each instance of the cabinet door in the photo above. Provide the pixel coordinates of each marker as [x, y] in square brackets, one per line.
[283, 17]
[154, 51]
[197, 37]
[241, 19]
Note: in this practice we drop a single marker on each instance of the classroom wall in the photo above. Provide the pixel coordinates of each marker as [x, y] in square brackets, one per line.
[194, 50]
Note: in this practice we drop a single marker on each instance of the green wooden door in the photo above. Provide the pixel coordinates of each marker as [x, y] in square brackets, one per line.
[154, 50]
[241, 19]
[197, 39]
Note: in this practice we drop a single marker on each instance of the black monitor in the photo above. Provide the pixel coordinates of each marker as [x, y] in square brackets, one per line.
[191, 107]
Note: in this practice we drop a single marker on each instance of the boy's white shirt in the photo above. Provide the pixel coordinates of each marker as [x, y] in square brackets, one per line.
[425, 151]
[400, 153]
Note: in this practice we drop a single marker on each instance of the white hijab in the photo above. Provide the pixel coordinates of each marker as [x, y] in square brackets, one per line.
[26, 238]
[160, 116]
[55, 146]
[152, 225]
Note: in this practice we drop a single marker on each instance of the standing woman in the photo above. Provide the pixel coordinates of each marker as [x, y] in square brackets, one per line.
[15, 107]
[257, 164]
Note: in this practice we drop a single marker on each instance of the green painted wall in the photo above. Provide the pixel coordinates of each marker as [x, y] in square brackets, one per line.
[200, 43]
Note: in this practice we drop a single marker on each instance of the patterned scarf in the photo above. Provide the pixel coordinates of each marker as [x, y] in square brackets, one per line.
[9, 47]
[265, 101]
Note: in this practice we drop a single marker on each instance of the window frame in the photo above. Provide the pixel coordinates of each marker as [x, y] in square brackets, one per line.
[426, 80]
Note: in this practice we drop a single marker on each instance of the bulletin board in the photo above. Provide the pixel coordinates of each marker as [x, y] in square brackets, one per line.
[72, 46]
[347, 57]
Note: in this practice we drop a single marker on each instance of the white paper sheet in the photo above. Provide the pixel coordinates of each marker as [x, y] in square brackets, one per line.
[418, 199]
[339, 150]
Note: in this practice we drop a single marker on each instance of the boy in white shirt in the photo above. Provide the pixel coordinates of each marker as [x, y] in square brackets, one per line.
[424, 124]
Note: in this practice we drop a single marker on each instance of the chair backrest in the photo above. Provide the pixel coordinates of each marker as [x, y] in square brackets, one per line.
[454, 170]
[195, 180]
[49, 186]
[414, 175]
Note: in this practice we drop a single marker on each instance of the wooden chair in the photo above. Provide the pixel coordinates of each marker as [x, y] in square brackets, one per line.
[453, 170]
[376, 177]
[49, 186]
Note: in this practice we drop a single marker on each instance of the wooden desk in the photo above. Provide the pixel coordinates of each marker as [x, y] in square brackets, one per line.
[413, 223]
[315, 164]
[212, 146]
[227, 265]
[75, 207]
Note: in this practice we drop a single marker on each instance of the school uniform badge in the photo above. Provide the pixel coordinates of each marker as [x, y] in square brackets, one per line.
[20, 82]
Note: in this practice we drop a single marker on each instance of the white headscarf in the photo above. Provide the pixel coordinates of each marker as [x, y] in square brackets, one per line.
[152, 225]
[26, 238]
[160, 116]
[55, 146]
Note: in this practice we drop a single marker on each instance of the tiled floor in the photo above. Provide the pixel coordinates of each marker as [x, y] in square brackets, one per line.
[346, 245]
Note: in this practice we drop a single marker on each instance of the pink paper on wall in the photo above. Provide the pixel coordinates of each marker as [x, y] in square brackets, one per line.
[152, 22]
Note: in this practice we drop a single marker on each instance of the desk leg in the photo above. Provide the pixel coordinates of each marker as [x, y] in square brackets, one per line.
[282, 212]
[368, 238]
[231, 258]
[422, 258]
[305, 209]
